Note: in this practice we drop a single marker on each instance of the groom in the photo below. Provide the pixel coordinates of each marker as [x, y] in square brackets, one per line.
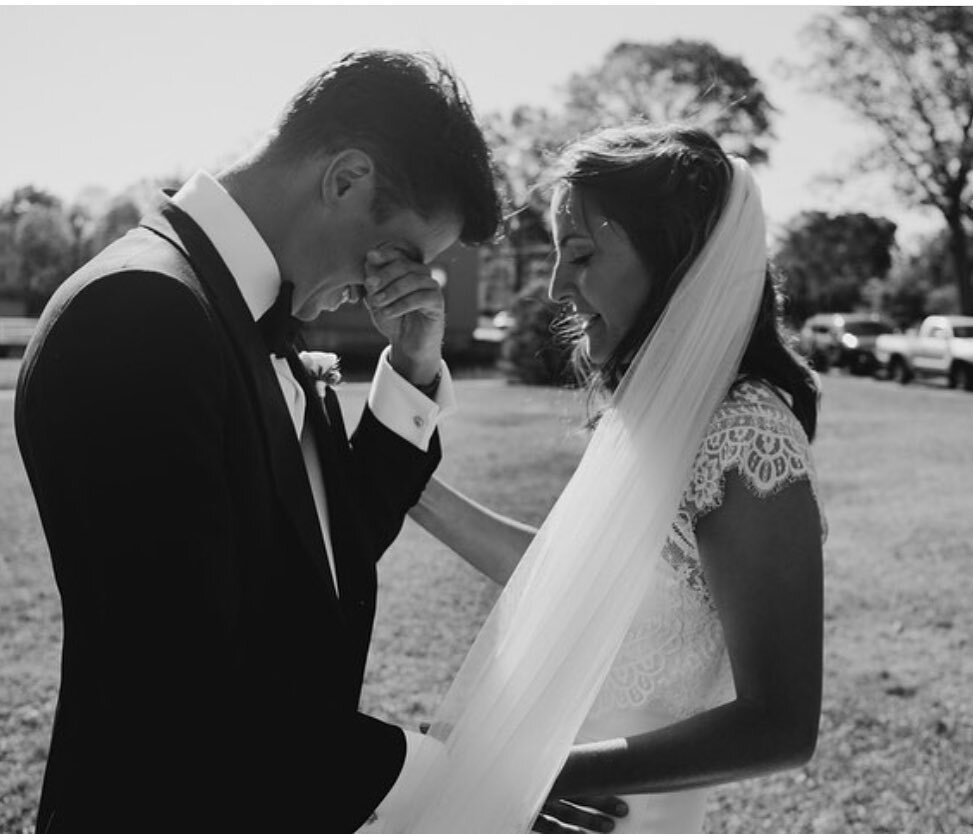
[213, 531]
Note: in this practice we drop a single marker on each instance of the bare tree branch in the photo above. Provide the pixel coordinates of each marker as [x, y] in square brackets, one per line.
[905, 70]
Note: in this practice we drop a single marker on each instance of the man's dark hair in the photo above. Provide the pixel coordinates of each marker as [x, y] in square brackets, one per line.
[410, 114]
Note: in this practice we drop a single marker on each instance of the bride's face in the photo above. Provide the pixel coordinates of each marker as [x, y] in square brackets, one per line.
[598, 272]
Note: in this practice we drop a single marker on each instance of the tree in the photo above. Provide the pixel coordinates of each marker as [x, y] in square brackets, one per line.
[828, 260]
[536, 350]
[523, 145]
[23, 199]
[932, 261]
[906, 71]
[45, 243]
[33, 250]
[121, 215]
[685, 81]
[42, 241]
[923, 283]
[9, 261]
[688, 81]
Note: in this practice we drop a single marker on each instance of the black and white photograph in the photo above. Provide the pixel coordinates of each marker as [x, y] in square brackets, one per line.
[486, 419]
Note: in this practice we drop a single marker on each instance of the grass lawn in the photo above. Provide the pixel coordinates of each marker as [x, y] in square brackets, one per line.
[896, 475]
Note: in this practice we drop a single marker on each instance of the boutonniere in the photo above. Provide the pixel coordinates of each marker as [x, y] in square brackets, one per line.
[323, 368]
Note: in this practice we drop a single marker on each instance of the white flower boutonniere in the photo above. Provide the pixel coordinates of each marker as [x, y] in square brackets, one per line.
[324, 368]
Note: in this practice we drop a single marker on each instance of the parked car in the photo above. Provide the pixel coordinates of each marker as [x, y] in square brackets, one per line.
[843, 340]
[942, 347]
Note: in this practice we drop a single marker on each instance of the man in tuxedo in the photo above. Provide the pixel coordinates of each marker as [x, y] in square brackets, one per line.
[214, 532]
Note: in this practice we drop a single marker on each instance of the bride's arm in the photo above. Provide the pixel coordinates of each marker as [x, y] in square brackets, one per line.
[762, 562]
[490, 542]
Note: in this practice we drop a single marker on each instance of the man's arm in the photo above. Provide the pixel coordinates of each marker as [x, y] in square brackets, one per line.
[396, 445]
[121, 421]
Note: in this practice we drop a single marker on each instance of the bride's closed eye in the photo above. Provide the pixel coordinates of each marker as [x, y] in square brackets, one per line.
[580, 260]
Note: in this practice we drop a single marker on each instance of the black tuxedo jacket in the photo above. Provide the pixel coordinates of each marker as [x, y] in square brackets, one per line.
[210, 676]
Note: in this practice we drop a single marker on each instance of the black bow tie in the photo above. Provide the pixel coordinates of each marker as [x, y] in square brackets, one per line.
[278, 325]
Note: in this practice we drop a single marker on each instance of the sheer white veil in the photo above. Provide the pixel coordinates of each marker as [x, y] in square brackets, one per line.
[515, 707]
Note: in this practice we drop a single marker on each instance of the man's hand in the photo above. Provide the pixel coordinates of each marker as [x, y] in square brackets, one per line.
[591, 813]
[407, 307]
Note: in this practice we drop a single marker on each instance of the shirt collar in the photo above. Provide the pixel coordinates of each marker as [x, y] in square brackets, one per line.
[234, 236]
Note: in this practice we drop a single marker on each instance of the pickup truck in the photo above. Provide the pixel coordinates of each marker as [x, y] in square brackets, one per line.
[942, 347]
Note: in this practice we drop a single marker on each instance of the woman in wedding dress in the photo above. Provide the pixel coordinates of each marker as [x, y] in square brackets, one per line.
[718, 674]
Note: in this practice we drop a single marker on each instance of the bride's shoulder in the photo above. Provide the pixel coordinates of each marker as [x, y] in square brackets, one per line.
[754, 403]
[755, 433]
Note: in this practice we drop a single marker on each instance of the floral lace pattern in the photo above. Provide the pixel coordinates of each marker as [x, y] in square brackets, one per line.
[673, 660]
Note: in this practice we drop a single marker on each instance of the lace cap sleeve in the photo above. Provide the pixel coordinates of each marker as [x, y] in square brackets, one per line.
[755, 434]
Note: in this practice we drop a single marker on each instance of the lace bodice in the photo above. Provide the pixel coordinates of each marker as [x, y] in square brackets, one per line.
[673, 660]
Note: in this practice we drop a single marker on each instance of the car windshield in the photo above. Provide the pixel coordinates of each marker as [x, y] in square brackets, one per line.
[867, 328]
[964, 331]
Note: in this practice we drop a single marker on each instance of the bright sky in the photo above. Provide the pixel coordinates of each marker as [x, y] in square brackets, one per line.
[109, 95]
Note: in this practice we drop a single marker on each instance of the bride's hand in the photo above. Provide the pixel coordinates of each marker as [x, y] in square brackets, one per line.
[591, 813]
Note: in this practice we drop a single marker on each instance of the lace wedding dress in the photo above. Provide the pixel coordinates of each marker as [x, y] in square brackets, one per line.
[610, 583]
[673, 661]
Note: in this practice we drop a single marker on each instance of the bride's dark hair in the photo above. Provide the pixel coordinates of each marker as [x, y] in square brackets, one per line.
[666, 188]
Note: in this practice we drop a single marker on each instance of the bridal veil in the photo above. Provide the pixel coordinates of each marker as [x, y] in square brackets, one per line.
[508, 720]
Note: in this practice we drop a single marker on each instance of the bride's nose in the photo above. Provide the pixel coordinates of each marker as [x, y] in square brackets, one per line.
[560, 289]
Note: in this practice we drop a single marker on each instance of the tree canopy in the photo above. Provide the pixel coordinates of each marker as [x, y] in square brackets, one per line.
[828, 260]
[680, 81]
[906, 70]
[922, 283]
[43, 240]
[686, 81]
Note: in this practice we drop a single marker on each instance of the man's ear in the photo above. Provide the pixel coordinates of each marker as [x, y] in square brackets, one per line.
[348, 179]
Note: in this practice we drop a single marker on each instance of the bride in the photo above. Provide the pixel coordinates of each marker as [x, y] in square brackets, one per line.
[662, 632]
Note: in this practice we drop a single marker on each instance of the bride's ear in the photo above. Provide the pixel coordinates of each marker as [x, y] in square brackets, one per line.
[348, 180]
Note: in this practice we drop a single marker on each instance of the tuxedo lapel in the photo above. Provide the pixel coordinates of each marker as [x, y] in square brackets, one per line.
[283, 446]
[356, 573]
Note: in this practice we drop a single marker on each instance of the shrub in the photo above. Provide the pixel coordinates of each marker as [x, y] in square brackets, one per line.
[533, 352]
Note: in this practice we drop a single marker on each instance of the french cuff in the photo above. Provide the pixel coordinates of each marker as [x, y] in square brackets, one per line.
[424, 756]
[404, 409]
